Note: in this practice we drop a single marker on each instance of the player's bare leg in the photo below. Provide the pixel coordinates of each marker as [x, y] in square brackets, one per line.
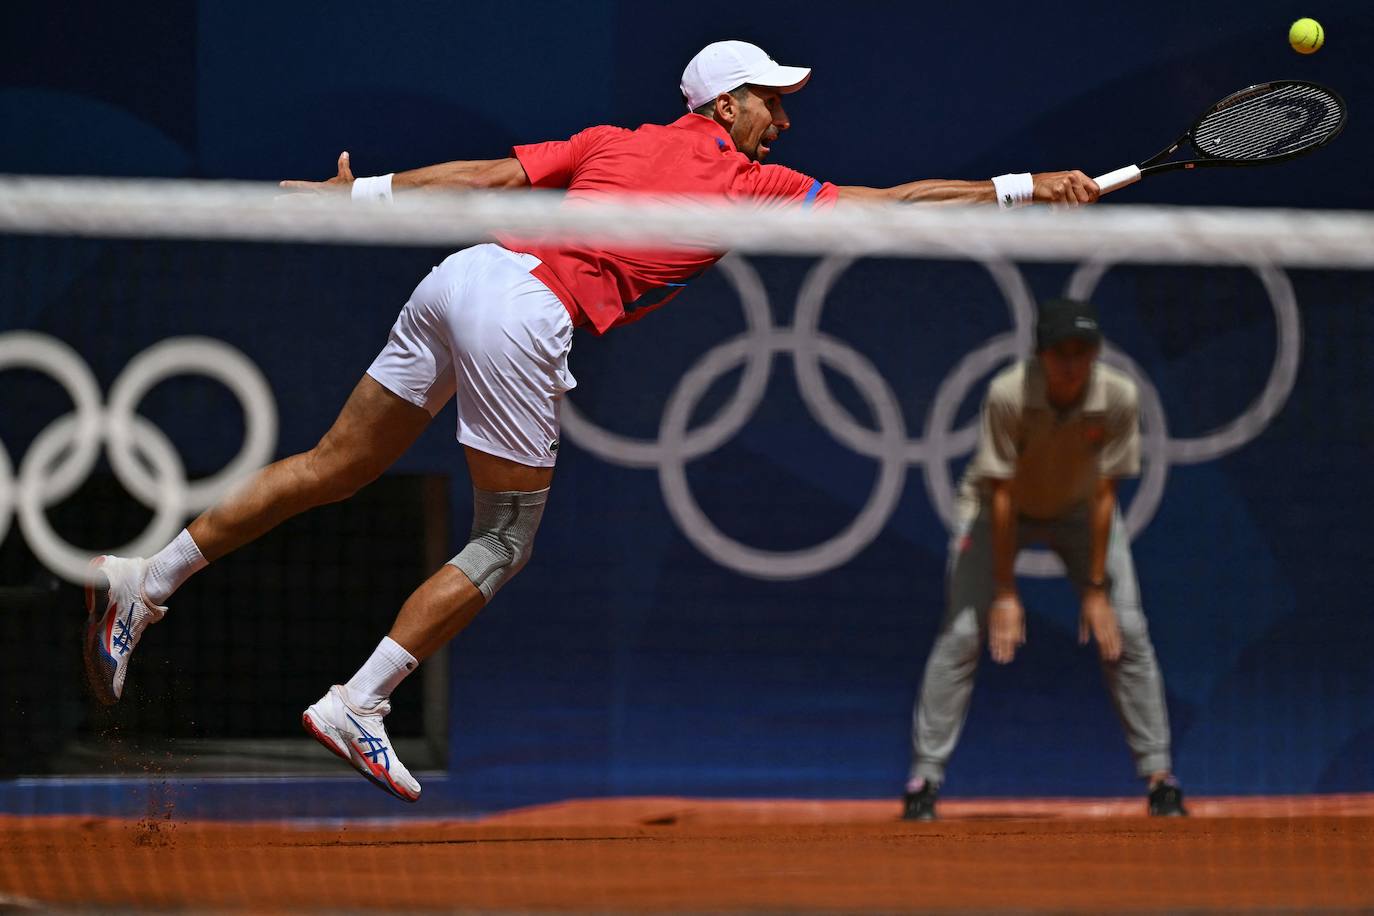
[125, 595]
[347, 720]
[448, 601]
[373, 429]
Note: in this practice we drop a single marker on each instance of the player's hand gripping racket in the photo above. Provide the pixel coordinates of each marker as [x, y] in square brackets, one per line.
[1270, 122]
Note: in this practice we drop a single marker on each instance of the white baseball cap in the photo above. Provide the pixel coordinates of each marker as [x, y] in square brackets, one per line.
[723, 66]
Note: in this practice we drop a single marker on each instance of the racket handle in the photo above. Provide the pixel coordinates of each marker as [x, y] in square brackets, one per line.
[1118, 179]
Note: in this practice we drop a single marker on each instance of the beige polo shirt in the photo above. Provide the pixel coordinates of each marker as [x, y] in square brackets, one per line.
[1054, 457]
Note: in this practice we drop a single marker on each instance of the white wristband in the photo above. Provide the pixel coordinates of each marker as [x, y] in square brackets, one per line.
[1014, 190]
[373, 189]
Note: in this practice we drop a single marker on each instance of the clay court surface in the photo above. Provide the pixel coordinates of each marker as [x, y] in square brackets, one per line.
[1286, 854]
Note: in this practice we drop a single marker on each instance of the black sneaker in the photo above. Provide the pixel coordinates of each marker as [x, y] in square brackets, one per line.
[920, 806]
[1166, 800]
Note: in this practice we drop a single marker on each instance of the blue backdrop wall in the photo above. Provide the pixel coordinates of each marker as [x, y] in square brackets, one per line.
[627, 660]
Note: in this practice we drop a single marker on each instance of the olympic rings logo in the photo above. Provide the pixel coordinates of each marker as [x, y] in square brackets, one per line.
[64, 453]
[144, 460]
[889, 445]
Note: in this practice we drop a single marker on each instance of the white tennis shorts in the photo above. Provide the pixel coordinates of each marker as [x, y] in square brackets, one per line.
[481, 325]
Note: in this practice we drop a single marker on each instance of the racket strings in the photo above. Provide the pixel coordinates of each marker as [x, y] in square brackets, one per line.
[1279, 123]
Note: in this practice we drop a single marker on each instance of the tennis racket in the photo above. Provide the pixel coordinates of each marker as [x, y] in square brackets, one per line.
[1269, 122]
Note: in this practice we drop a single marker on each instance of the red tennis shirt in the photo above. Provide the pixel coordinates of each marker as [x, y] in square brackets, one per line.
[693, 156]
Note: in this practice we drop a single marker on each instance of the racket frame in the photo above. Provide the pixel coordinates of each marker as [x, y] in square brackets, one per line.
[1133, 173]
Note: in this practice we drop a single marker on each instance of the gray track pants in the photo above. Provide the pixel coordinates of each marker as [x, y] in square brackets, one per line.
[1134, 680]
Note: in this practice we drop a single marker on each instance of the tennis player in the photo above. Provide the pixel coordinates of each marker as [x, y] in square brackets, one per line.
[494, 324]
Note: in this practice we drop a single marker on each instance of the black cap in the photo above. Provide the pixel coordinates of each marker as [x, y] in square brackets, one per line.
[1062, 319]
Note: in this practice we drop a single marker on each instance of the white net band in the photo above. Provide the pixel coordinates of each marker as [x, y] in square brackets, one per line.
[260, 212]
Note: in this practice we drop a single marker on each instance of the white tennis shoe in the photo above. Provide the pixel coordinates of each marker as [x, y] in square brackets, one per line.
[358, 736]
[117, 614]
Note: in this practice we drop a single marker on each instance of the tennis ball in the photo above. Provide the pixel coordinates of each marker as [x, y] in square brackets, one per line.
[1306, 35]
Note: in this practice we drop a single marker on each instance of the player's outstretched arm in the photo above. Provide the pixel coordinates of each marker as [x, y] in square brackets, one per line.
[1070, 189]
[465, 175]
[459, 175]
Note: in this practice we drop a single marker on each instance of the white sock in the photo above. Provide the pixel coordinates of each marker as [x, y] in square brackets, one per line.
[388, 666]
[170, 567]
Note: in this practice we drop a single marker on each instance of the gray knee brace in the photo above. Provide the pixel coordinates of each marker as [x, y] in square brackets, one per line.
[503, 526]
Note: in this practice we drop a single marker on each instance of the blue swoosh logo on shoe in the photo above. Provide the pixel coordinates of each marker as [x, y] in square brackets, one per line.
[123, 639]
[374, 747]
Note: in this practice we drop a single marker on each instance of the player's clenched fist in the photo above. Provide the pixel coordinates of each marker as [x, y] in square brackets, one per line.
[1069, 189]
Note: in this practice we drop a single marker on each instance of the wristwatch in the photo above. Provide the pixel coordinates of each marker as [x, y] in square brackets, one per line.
[1100, 582]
